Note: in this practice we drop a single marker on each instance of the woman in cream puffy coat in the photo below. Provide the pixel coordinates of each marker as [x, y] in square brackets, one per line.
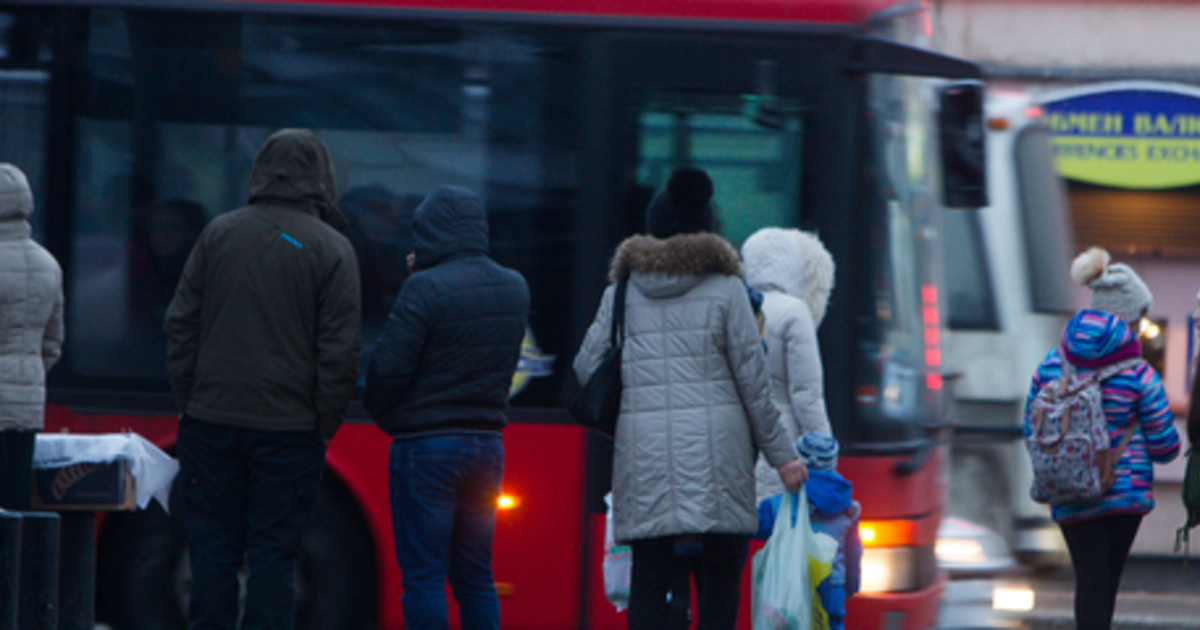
[794, 273]
[695, 402]
[31, 335]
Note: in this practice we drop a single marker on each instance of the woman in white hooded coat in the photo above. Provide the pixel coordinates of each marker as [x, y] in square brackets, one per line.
[31, 335]
[794, 272]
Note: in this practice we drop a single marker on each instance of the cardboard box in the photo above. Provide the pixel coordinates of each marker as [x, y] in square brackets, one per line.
[84, 487]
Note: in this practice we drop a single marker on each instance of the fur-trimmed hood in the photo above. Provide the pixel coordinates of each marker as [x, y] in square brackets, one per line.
[681, 255]
[662, 268]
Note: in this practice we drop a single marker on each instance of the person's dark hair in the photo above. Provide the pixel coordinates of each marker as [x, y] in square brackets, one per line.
[683, 207]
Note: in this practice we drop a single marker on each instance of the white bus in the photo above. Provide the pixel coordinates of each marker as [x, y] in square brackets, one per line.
[1008, 297]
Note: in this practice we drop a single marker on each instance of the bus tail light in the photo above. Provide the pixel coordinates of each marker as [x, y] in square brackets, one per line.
[896, 533]
[507, 502]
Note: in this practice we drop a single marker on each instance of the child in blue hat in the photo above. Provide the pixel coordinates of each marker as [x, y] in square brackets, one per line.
[832, 511]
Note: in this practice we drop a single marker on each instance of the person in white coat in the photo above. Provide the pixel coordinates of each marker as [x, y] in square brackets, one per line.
[695, 403]
[794, 272]
[31, 336]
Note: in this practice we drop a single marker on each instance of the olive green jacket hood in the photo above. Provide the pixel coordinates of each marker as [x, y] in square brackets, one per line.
[294, 167]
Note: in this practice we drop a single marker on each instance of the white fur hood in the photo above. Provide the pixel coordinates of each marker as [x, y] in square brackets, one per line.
[793, 262]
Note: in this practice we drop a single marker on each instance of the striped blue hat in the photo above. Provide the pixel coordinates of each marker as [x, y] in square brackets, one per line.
[818, 450]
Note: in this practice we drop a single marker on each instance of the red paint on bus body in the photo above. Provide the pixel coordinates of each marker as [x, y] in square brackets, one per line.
[536, 555]
[916, 610]
[855, 12]
[884, 494]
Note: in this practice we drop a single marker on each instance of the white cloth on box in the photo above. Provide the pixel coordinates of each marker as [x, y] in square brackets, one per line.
[152, 469]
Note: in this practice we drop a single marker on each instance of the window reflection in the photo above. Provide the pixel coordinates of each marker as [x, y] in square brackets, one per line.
[404, 107]
[900, 367]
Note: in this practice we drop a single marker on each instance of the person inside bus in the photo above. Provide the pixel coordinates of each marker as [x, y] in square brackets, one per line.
[1100, 534]
[263, 338]
[832, 511]
[161, 238]
[31, 336]
[794, 272]
[438, 382]
[695, 402]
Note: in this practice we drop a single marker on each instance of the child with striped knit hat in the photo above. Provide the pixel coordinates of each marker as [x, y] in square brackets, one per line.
[832, 511]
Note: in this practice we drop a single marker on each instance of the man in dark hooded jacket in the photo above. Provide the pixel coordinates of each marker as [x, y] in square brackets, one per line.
[438, 381]
[263, 341]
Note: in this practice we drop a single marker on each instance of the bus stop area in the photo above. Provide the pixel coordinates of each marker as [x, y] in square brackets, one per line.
[48, 554]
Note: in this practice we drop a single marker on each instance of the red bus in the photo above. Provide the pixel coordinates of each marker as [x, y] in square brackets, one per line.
[138, 121]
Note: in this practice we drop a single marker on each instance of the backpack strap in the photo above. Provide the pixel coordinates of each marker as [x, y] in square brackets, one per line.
[1116, 455]
[1104, 374]
[1109, 371]
[1066, 371]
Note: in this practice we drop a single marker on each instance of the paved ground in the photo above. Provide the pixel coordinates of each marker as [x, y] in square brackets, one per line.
[1155, 595]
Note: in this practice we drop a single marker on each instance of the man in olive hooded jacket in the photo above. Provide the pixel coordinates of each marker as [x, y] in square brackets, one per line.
[263, 342]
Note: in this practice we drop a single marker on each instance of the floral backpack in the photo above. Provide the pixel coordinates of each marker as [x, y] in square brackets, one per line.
[1068, 443]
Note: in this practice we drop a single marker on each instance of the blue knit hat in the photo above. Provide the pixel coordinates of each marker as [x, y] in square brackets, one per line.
[818, 450]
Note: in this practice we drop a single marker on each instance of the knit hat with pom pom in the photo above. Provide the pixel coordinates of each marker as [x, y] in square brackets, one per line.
[683, 207]
[1116, 288]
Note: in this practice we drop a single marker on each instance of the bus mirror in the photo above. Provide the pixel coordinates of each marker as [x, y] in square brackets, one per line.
[964, 162]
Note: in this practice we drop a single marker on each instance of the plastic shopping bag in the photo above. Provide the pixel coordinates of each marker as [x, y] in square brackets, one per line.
[787, 570]
[618, 564]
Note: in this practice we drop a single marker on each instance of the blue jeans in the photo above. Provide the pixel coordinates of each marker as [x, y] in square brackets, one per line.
[444, 490]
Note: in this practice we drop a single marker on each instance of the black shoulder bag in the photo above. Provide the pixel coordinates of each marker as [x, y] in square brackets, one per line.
[598, 404]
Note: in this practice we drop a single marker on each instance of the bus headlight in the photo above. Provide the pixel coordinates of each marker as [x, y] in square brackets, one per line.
[889, 569]
[952, 551]
[965, 548]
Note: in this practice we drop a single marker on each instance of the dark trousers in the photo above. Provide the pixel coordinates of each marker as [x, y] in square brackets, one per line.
[16, 469]
[246, 496]
[661, 566]
[1099, 547]
[444, 490]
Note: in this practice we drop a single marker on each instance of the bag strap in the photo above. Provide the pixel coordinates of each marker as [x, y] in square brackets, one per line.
[617, 335]
[1109, 371]
[1105, 374]
[1066, 371]
[1116, 456]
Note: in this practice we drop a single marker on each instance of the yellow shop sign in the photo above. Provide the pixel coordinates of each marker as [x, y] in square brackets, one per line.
[1142, 136]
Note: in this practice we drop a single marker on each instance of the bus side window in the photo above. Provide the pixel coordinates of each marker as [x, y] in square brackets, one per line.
[24, 86]
[971, 299]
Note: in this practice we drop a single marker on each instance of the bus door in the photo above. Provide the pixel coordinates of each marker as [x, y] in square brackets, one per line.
[745, 109]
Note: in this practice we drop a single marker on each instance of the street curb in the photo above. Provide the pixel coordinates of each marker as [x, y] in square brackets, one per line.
[1057, 622]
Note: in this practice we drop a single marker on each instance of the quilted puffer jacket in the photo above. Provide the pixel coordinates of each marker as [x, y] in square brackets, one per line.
[446, 357]
[31, 309]
[794, 273]
[1090, 341]
[696, 398]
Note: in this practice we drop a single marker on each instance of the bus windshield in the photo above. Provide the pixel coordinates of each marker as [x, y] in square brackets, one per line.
[754, 164]
[899, 377]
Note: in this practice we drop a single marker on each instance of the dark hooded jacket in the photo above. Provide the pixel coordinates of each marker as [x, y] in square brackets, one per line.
[446, 357]
[264, 330]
